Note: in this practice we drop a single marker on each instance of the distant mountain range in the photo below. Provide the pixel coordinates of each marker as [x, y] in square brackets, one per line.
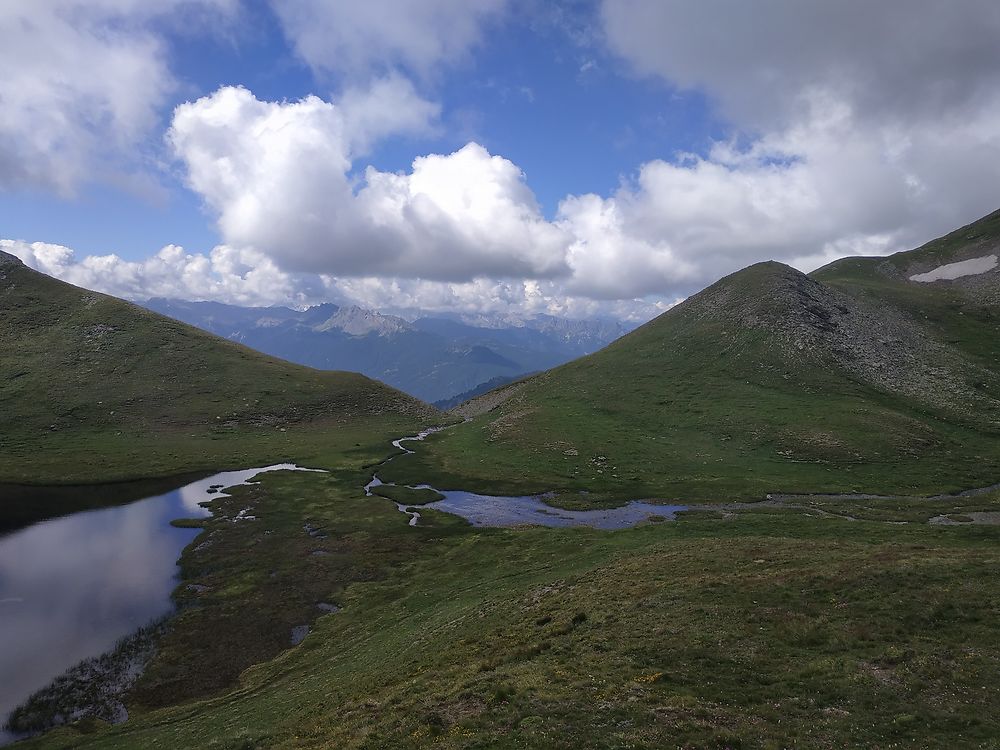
[434, 358]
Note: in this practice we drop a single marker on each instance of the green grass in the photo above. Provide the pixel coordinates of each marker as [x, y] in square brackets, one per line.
[407, 495]
[96, 390]
[714, 440]
[713, 401]
[766, 629]
[316, 534]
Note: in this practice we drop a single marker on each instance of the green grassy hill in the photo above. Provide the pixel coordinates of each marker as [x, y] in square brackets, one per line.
[826, 623]
[964, 312]
[852, 379]
[96, 389]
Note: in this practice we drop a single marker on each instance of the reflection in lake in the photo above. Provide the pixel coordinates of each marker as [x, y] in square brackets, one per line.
[71, 587]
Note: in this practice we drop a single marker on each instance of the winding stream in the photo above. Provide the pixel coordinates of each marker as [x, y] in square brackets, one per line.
[70, 587]
[520, 510]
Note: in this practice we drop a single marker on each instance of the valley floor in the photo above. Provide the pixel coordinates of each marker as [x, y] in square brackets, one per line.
[754, 627]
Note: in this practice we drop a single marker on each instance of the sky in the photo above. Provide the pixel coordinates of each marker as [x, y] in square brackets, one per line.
[571, 157]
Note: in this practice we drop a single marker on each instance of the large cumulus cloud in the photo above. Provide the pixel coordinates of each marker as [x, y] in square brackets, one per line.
[855, 126]
[279, 176]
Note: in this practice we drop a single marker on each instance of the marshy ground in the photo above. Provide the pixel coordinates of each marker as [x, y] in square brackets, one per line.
[758, 627]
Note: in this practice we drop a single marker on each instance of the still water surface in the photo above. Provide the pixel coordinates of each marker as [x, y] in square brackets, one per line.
[71, 587]
[523, 510]
[488, 510]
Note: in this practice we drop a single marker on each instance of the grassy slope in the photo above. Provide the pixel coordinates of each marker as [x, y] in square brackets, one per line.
[966, 314]
[96, 389]
[698, 405]
[766, 629]
[407, 495]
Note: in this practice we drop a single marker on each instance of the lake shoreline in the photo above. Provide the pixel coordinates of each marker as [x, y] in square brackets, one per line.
[131, 577]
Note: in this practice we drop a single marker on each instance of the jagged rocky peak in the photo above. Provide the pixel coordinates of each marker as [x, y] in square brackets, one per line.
[357, 321]
[570, 329]
[319, 313]
[492, 320]
[595, 332]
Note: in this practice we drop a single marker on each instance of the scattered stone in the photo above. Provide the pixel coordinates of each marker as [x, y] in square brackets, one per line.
[93, 689]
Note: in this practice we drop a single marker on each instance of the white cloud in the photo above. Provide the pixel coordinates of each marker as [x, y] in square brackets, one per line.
[226, 274]
[490, 297]
[388, 106]
[895, 59]
[856, 128]
[463, 215]
[860, 128]
[249, 278]
[82, 85]
[279, 176]
[384, 35]
[807, 194]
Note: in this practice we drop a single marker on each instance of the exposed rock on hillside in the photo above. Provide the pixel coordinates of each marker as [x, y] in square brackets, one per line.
[488, 401]
[876, 344]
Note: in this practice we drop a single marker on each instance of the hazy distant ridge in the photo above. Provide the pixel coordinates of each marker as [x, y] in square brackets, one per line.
[433, 357]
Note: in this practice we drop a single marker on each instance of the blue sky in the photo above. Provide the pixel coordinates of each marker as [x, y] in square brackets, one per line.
[595, 157]
[563, 109]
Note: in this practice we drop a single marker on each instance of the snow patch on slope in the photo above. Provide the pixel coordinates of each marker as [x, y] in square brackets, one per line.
[957, 270]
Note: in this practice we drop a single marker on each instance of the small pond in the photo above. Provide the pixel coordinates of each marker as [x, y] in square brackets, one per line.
[523, 510]
[489, 510]
[71, 587]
